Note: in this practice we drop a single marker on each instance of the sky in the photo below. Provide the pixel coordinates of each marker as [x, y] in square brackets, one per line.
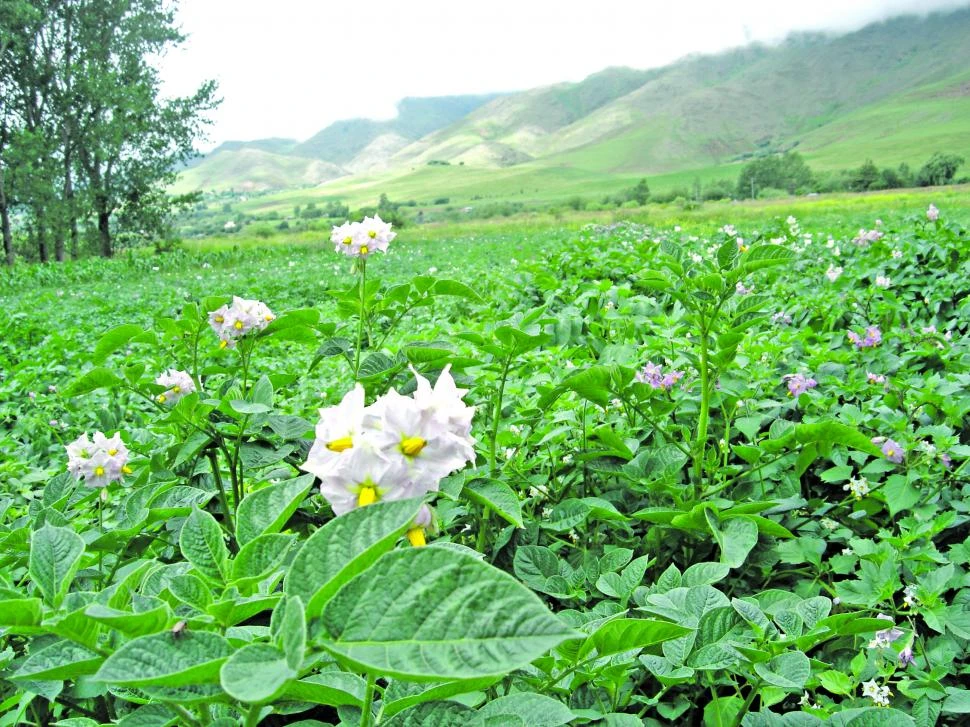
[288, 68]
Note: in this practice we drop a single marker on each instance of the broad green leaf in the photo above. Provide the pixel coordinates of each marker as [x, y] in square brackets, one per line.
[202, 544]
[497, 496]
[736, 537]
[435, 714]
[627, 634]
[442, 615]
[114, 340]
[457, 288]
[401, 695]
[260, 556]
[132, 624]
[256, 673]
[836, 682]
[344, 547]
[288, 630]
[163, 659]
[266, 510]
[701, 574]
[790, 670]
[60, 661]
[536, 710]
[55, 554]
[334, 688]
[97, 378]
[21, 612]
[191, 590]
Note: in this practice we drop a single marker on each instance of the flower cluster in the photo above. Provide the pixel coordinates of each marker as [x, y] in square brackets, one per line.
[885, 638]
[798, 384]
[875, 378]
[781, 318]
[177, 384]
[866, 236]
[654, 376]
[910, 599]
[872, 338]
[359, 239]
[878, 694]
[98, 461]
[858, 486]
[833, 273]
[932, 213]
[740, 289]
[236, 320]
[398, 447]
[883, 281]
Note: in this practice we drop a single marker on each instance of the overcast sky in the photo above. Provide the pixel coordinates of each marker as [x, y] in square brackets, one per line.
[290, 67]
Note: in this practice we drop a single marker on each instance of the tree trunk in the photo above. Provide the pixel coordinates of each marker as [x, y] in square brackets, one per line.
[42, 236]
[7, 236]
[104, 228]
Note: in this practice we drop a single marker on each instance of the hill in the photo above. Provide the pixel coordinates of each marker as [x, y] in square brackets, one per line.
[894, 91]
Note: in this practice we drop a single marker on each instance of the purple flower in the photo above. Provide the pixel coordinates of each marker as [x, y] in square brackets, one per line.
[946, 460]
[781, 318]
[906, 657]
[872, 338]
[892, 450]
[875, 378]
[654, 376]
[798, 384]
[885, 637]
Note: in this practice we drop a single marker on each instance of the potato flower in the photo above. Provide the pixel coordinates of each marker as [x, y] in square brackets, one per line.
[98, 461]
[177, 384]
[236, 320]
[360, 239]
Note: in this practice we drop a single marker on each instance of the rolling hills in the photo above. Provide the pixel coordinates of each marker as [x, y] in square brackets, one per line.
[895, 92]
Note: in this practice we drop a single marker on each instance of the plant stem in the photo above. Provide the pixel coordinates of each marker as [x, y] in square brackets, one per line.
[700, 444]
[497, 414]
[217, 475]
[366, 711]
[360, 319]
[252, 716]
[185, 714]
[100, 534]
[747, 703]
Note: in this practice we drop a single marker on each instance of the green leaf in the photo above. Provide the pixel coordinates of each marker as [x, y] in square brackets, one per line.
[376, 364]
[454, 287]
[442, 615]
[256, 673]
[21, 612]
[627, 634]
[701, 574]
[260, 555]
[736, 537]
[334, 688]
[836, 682]
[97, 378]
[60, 661]
[202, 544]
[344, 547]
[55, 554]
[957, 701]
[131, 624]
[790, 670]
[535, 710]
[113, 340]
[267, 510]
[164, 659]
[435, 714]
[241, 406]
[497, 496]
[401, 695]
[191, 590]
[288, 630]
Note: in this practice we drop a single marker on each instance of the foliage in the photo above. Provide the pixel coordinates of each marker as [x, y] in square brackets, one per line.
[658, 529]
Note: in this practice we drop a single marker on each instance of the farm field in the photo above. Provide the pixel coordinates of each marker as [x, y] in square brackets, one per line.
[715, 473]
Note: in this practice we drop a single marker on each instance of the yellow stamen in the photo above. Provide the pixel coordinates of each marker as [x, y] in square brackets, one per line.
[220, 319]
[412, 446]
[223, 343]
[372, 234]
[238, 325]
[339, 445]
[363, 249]
[416, 537]
[269, 317]
[176, 389]
[347, 240]
[112, 452]
[126, 470]
[99, 471]
[366, 496]
[160, 398]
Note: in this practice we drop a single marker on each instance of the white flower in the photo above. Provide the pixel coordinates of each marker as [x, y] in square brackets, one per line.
[883, 282]
[98, 462]
[833, 273]
[909, 597]
[897, 254]
[878, 694]
[932, 213]
[236, 320]
[858, 486]
[177, 384]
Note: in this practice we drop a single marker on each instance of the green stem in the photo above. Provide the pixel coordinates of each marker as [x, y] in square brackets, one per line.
[367, 711]
[497, 415]
[217, 475]
[185, 714]
[252, 716]
[100, 534]
[747, 703]
[360, 319]
[700, 445]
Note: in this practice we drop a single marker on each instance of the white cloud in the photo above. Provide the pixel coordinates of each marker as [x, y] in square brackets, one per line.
[290, 67]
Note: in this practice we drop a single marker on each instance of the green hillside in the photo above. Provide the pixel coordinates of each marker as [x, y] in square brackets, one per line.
[894, 92]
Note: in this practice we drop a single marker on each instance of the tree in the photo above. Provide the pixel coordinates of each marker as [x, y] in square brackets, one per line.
[865, 177]
[640, 193]
[788, 172]
[939, 170]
